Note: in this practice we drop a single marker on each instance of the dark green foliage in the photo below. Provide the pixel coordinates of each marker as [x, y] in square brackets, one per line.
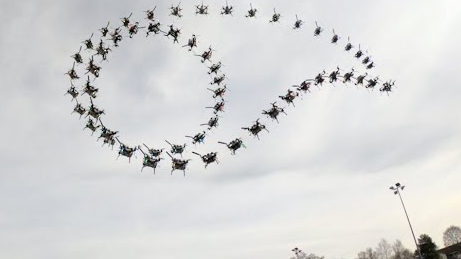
[428, 248]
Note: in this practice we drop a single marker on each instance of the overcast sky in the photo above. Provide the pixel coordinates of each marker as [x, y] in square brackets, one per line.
[319, 180]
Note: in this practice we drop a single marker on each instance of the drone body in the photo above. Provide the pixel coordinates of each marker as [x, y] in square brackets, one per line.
[218, 107]
[72, 92]
[319, 79]
[298, 23]
[219, 92]
[107, 135]
[372, 83]
[218, 79]
[192, 43]
[227, 10]
[93, 68]
[208, 158]
[173, 32]
[78, 57]
[176, 149]
[201, 9]
[105, 30]
[199, 138]
[275, 17]
[88, 43]
[116, 37]
[252, 12]
[234, 145]
[126, 150]
[304, 87]
[349, 45]
[91, 125]
[150, 14]
[102, 51]
[318, 30]
[360, 79]
[126, 20]
[274, 112]
[359, 53]
[347, 77]
[133, 29]
[94, 112]
[256, 128]
[387, 86]
[371, 65]
[334, 75]
[335, 37]
[289, 97]
[154, 27]
[149, 160]
[176, 11]
[215, 68]
[72, 73]
[206, 56]
[89, 89]
[178, 164]
[212, 123]
[79, 109]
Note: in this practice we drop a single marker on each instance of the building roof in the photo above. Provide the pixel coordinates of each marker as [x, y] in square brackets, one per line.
[451, 249]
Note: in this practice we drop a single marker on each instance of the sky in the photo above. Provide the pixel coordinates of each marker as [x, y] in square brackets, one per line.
[319, 180]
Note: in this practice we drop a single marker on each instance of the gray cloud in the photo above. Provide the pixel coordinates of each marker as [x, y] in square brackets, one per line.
[319, 178]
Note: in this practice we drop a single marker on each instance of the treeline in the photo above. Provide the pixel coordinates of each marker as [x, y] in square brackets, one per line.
[396, 250]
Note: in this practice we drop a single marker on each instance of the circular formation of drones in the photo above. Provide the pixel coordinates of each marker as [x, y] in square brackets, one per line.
[218, 87]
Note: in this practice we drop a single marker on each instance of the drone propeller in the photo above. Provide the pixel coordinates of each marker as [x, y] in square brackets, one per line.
[168, 153]
[119, 141]
[148, 11]
[146, 146]
[127, 17]
[100, 121]
[140, 149]
[195, 153]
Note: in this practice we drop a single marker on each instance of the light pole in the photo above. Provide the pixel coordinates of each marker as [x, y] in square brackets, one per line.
[397, 188]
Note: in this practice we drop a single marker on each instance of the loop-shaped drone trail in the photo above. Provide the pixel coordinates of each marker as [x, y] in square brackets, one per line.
[153, 156]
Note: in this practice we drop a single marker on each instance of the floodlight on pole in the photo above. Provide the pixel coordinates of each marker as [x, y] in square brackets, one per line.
[396, 189]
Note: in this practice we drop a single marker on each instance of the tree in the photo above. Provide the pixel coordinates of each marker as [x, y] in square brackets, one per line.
[452, 235]
[299, 254]
[384, 250]
[428, 247]
[367, 254]
[401, 252]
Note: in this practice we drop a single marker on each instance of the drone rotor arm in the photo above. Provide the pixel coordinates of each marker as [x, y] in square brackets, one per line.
[195, 153]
